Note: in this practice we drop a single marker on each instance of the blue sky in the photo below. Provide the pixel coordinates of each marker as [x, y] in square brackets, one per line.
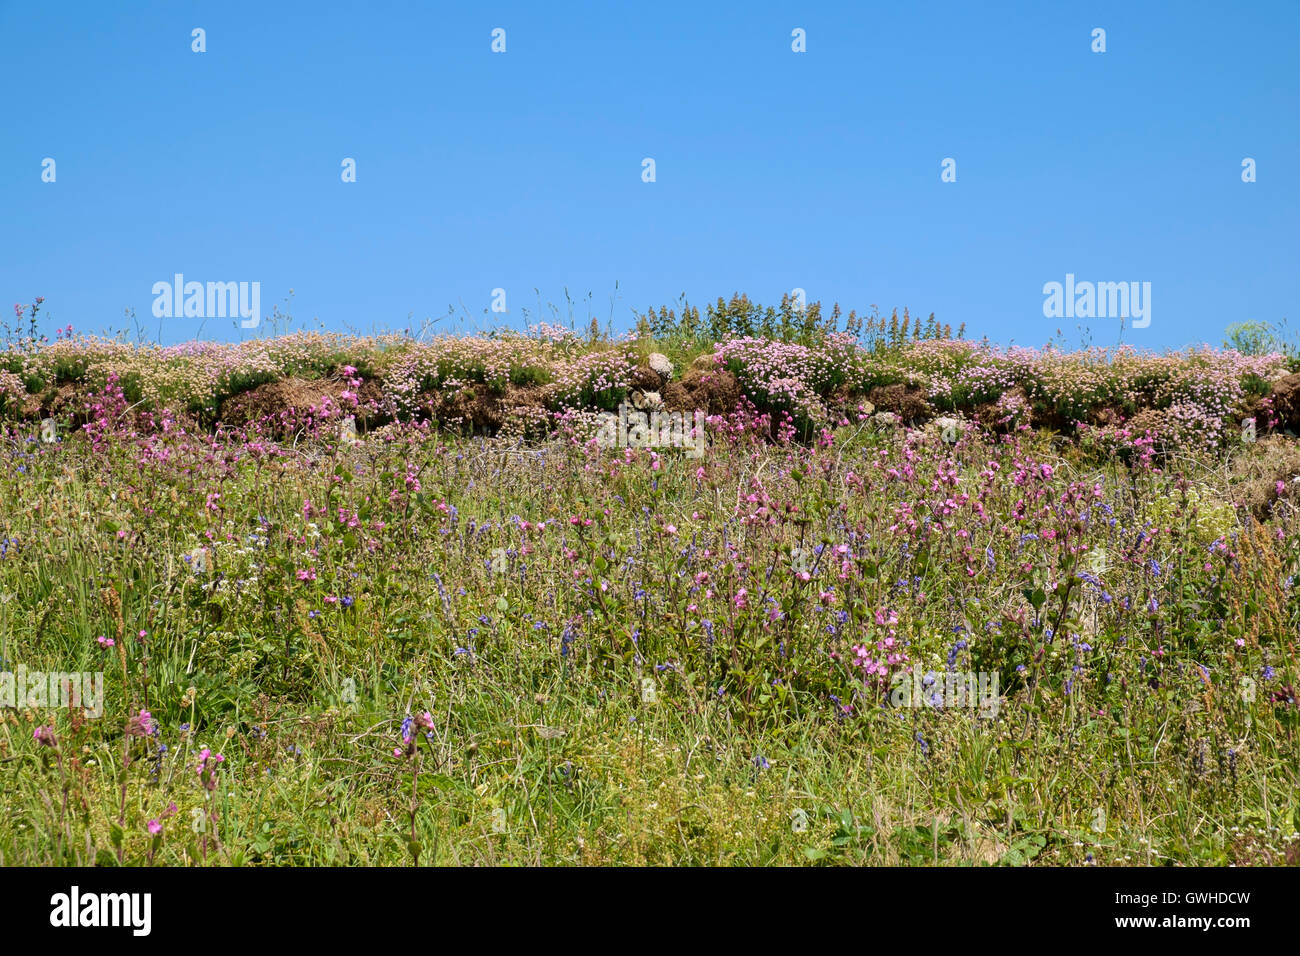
[774, 169]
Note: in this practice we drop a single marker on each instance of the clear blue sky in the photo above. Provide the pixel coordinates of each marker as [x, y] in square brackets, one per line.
[775, 170]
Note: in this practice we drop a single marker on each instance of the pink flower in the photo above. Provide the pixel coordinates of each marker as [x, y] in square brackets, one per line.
[141, 725]
[155, 827]
[208, 775]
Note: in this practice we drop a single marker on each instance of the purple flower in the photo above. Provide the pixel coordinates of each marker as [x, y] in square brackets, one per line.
[141, 725]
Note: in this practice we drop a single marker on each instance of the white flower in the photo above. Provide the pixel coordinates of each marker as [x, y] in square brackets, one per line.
[49, 431]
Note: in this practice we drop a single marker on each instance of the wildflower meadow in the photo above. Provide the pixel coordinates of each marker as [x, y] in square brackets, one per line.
[749, 586]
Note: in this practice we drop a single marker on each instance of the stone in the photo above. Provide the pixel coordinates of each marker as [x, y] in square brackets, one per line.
[660, 363]
[647, 401]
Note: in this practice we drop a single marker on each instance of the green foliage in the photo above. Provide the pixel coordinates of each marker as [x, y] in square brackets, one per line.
[296, 607]
[1253, 338]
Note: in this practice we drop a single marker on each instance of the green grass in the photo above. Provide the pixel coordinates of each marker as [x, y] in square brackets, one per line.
[743, 756]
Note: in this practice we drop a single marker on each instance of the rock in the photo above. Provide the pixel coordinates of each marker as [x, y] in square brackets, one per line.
[661, 364]
[647, 401]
